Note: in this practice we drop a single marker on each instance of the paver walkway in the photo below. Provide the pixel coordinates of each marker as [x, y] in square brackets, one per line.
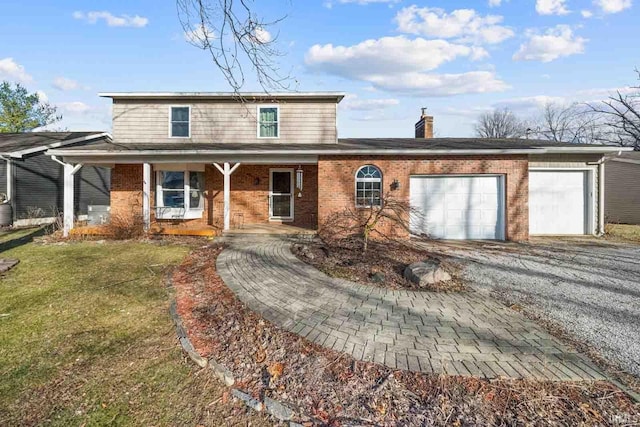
[456, 334]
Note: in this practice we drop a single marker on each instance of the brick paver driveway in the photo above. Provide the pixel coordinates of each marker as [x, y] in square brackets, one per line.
[465, 334]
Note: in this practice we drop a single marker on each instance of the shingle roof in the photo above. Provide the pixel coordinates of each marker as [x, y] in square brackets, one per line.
[345, 145]
[17, 142]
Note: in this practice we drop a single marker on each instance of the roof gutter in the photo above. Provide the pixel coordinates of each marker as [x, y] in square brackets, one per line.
[546, 150]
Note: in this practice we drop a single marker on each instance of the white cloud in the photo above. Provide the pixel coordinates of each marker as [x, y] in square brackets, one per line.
[200, 36]
[551, 7]
[111, 20]
[495, 3]
[387, 55]
[586, 13]
[262, 35]
[398, 64]
[42, 97]
[62, 83]
[11, 70]
[553, 44]
[464, 24]
[76, 107]
[352, 102]
[424, 84]
[613, 6]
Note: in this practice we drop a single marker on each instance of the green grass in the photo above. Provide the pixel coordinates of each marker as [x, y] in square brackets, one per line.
[85, 339]
[624, 232]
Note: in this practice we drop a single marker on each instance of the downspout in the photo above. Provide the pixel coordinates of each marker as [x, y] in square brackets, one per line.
[601, 230]
[601, 189]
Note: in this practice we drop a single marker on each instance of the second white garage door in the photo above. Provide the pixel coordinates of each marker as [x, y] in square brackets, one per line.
[458, 207]
[558, 202]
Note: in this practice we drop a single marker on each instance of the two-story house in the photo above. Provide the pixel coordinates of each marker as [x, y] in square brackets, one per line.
[207, 159]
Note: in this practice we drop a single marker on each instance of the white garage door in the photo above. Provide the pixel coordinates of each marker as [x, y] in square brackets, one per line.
[458, 207]
[558, 202]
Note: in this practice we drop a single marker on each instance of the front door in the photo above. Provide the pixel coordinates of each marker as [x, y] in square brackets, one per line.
[281, 194]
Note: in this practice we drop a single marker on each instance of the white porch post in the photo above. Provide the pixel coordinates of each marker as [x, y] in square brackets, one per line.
[69, 173]
[226, 172]
[146, 196]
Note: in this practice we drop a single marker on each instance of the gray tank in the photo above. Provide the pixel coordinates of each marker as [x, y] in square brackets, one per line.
[6, 215]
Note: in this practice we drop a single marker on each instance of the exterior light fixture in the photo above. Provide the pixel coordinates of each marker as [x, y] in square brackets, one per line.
[299, 174]
[395, 184]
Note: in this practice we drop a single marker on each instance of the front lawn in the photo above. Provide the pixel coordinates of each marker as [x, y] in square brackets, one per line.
[86, 339]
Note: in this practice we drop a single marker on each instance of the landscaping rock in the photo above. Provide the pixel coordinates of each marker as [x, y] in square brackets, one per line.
[378, 277]
[222, 373]
[427, 272]
[247, 399]
[277, 409]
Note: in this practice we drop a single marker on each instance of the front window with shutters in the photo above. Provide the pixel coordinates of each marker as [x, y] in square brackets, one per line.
[180, 122]
[268, 121]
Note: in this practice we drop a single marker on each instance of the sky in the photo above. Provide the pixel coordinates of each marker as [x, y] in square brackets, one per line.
[391, 57]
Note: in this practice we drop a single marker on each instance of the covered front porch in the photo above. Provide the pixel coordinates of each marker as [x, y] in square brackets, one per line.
[206, 199]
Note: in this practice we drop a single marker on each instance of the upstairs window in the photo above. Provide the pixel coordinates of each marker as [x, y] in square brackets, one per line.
[268, 126]
[180, 122]
[368, 186]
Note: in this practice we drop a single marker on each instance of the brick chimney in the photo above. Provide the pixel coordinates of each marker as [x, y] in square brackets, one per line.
[424, 127]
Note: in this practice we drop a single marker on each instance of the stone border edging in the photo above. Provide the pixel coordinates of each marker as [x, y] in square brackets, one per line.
[273, 407]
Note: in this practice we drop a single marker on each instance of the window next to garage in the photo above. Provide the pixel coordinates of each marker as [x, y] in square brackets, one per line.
[180, 121]
[368, 186]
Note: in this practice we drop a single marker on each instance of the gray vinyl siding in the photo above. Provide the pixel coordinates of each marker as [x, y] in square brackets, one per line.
[573, 161]
[92, 186]
[303, 122]
[3, 176]
[39, 187]
[622, 192]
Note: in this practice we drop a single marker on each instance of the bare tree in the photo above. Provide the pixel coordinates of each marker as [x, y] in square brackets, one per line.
[370, 221]
[621, 116]
[568, 123]
[500, 124]
[237, 38]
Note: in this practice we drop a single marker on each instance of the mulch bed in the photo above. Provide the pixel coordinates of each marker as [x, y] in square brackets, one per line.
[331, 388]
[345, 259]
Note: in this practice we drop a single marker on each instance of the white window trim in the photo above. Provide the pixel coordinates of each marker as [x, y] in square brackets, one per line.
[258, 107]
[170, 122]
[356, 180]
[175, 213]
[291, 199]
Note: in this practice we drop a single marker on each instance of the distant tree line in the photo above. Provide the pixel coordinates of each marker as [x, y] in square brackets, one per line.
[613, 121]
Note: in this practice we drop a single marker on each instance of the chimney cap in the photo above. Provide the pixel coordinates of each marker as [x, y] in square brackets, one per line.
[424, 111]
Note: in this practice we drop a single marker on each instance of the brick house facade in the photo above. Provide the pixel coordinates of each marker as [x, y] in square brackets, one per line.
[227, 158]
[338, 174]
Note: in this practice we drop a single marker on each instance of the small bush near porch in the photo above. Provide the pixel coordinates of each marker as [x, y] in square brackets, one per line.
[86, 339]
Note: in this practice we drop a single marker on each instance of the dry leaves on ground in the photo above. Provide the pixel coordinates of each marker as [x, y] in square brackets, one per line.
[331, 388]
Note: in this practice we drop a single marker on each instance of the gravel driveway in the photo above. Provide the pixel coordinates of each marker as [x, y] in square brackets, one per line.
[588, 286]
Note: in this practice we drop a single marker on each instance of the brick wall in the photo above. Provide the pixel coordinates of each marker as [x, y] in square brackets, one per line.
[249, 195]
[126, 190]
[336, 182]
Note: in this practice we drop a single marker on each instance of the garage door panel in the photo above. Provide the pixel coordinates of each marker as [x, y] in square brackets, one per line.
[558, 202]
[459, 207]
